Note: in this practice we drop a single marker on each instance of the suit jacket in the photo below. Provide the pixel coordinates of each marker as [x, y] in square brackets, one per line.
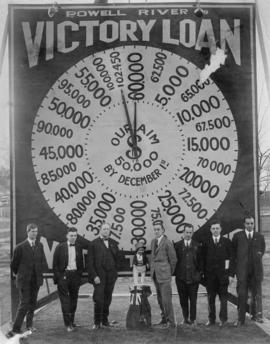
[214, 259]
[197, 267]
[163, 260]
[25, 260]
[60, 260]
[96, 258]
[240, 250]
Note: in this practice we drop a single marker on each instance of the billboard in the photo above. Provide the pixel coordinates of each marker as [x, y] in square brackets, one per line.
[111, 122]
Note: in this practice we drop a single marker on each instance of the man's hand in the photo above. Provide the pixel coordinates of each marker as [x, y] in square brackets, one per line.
[231, 280]
[97, 280]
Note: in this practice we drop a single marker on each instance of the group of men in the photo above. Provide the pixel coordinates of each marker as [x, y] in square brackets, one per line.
[212, 262]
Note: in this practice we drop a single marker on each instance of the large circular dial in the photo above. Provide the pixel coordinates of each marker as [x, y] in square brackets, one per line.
[131, 136]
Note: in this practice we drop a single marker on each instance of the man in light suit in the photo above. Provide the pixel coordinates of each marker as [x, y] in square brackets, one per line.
[103, 255]
[28, 263]
[163, 261]
[248, 248]
[67, 270]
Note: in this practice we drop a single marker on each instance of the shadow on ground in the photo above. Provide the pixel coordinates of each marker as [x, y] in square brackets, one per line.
[51, 329]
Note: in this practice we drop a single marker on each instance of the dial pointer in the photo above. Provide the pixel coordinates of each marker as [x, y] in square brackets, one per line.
[135, 130]
[129, 124]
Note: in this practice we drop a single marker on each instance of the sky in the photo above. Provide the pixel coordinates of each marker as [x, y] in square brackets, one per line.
[263, 65]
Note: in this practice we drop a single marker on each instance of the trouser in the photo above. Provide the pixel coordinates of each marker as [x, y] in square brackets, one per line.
[164, 297]
[102, 296]
[68, 289]
[27, 305]
[215, 287]
[188, 298]
[136, 272]
[242, 288]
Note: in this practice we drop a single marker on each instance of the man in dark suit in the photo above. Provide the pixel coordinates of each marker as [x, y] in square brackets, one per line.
[217, 262]
[188, 273]
[28, 263]
[163, 261]
[102, 272]
[249, 248]
[67, 270]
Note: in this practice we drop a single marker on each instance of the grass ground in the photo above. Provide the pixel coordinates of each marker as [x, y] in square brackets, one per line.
[51, 329]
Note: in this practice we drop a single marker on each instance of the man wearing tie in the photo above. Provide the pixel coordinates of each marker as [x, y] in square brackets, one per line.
[188, 273]
[163, 261]
[28, 263]
[249, 248]
[102, 273]
[217, 262]
[67, 270]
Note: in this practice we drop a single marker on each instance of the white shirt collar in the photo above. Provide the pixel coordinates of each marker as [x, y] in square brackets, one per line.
[31, 242]
[216, 238]
[249, 233]
[160, 238]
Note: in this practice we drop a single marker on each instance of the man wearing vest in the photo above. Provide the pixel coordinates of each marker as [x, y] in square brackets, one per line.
[102, 273]
[188, 273]
[249, 248]
[67, 269]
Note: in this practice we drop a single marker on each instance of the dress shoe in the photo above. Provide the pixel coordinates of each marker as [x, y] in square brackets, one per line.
[193, 323]
[96, 327]
[10, 334]
[162, 322]
[168, 325]
[210, 323]
[106, 324]
[223, 323]
[70, 329]
[76, 325]
[185, 322]
[32, 329]
[239, 323]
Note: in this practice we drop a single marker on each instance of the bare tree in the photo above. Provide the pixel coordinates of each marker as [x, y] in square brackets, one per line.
[264, 168]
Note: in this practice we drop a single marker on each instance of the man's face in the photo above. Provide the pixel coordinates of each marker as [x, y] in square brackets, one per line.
[249, 224]
[215, 229]
[32, 234]
[105, 230]
[188, 233]
[158, 230]
[71, 237]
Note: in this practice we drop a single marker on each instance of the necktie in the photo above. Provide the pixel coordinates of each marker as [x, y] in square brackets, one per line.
[33, 245]
[249, 236]
[216, 241]
[156, 244]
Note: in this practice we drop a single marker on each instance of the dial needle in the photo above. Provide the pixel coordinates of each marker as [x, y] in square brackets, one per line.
[135, 130]
[129, 124]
